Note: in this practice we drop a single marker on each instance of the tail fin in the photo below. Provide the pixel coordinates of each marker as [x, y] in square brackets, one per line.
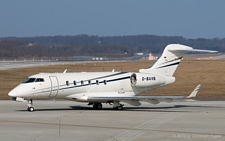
[170, 59]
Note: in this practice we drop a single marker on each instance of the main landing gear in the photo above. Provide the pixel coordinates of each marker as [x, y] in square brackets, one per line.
[98, 106]
[30, 105]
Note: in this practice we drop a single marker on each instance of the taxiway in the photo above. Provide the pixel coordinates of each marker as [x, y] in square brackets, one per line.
[68, 120]
[4, 65]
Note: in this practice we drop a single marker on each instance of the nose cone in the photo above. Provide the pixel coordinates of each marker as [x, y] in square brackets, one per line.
[12, 93]
[21, 91]
[18, 91]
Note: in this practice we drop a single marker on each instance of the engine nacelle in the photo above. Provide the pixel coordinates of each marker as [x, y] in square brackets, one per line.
[146, 80]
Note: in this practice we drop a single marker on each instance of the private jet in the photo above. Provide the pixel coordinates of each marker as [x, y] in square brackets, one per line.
[113, 87]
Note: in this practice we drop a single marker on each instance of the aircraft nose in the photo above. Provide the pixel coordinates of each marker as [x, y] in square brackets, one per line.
[12, 93]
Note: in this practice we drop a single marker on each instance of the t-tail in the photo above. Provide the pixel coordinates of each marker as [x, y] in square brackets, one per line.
[167, 64]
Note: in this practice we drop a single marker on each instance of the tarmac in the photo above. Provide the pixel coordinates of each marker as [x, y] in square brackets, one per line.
[4, 65]
[68, 120]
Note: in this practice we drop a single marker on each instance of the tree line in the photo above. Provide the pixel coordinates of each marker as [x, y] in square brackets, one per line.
[106, 46]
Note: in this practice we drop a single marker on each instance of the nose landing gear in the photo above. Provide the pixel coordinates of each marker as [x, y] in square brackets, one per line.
[30, 105]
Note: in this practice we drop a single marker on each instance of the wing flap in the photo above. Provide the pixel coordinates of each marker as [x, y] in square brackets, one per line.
[152, 101]
[132, 102]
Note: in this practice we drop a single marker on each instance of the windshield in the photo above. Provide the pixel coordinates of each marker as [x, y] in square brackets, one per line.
[30, 80]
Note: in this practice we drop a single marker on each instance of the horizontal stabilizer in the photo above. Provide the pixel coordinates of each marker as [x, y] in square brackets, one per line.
[183, 48]
[201, 50]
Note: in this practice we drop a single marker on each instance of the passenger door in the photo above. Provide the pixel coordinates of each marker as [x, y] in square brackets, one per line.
[54, 86]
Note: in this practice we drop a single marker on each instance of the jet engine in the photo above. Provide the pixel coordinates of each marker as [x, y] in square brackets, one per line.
[146, 80]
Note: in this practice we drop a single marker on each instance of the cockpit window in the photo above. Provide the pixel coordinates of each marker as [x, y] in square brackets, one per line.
[29, 80]
[39, 80]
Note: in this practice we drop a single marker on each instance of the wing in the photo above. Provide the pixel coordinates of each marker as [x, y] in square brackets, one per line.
[134, 100]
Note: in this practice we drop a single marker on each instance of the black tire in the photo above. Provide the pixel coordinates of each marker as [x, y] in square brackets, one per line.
[94, 106]
[99, 106]
[30, 109]
[120, 108]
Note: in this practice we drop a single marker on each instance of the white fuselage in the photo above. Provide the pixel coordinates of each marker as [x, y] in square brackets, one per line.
[78, 86]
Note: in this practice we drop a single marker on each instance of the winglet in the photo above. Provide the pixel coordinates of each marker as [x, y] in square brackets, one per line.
[194, 93]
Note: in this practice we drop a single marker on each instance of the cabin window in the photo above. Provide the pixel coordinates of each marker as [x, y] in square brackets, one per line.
[89, 82]
[39, 80]
[105, 82]
[29, 80]
[82, 82]
[74, 83]
[67, 83]
[97, 82]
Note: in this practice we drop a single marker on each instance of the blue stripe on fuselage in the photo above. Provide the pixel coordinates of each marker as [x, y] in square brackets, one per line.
[177, 63]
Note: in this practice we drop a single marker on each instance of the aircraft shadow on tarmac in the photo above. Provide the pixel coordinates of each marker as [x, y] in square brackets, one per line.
[138, 109]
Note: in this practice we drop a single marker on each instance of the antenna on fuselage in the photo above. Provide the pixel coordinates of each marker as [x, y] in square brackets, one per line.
[65, 71]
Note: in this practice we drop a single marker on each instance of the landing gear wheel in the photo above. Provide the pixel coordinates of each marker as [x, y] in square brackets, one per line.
[115, 108]
[94, 106]
[30, 105]
[120, 108]
[30, 109]
[97, 106]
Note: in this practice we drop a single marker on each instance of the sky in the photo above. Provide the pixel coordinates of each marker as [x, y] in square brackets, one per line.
[191, 19]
